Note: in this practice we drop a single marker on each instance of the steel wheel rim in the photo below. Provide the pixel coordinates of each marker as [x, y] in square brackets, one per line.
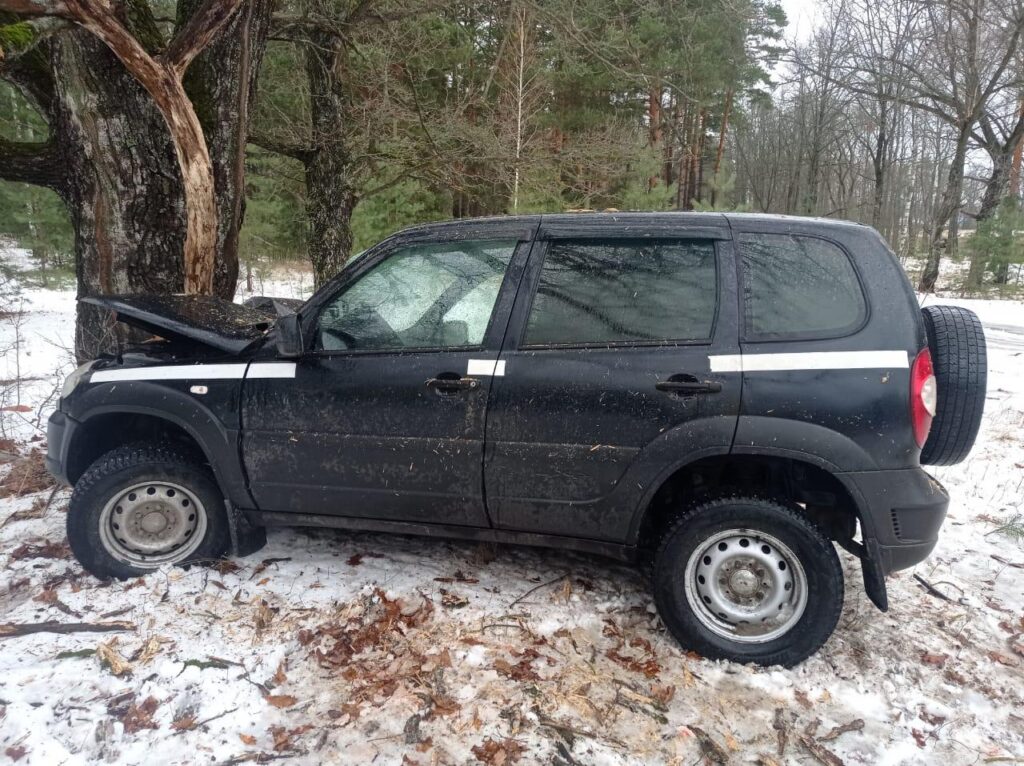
[153, 523]
[746, 585]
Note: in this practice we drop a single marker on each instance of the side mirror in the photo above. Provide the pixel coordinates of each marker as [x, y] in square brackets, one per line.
[288, 336]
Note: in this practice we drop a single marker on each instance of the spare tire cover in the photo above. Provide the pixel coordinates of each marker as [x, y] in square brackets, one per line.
[957, 344]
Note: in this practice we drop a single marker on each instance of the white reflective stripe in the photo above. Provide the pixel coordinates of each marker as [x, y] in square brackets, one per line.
[485, 367]
[197, 372]
[271, 370]
[811, 360]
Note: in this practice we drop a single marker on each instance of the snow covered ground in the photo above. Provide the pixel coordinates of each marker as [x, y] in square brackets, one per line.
[360, 648]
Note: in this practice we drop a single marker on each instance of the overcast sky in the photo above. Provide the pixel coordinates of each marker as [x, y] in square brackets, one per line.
[801, 17]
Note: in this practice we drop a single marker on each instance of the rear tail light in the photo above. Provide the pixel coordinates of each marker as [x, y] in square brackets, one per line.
[923, 396]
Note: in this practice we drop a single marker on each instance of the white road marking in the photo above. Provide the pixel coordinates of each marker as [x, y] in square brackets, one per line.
[811, 360]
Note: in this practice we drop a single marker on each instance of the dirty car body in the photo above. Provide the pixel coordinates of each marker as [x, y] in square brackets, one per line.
[579, 381]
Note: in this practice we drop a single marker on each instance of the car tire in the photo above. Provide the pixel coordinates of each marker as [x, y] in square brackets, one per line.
[763, 555]
[140, 507]
[957, 344]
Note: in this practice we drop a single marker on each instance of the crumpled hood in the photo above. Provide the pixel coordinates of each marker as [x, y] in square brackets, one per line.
[204, 319]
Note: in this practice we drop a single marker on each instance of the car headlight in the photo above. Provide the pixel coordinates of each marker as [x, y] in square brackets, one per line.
[72, 380]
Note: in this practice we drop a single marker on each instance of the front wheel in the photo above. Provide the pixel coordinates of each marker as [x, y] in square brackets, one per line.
[748, 580]
[140, 507]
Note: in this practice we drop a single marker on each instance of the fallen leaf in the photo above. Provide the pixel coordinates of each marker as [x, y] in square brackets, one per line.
[186, 722]
[919, 737]
[521, 671]
[453, 600]
[663, 694]
[15, 752]
[803, 699]
[16, 408]
[279, 677]
[281, 700]
[1003, 659]
[140, 716]
[939, 660]
[247, 739]
[355, 560]
[264, 581]
[495, 753]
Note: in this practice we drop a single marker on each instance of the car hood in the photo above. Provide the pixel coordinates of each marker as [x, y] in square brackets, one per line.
[203, 319]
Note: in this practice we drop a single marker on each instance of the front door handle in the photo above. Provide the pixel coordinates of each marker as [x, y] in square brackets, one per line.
[450, 383]
[687, 385]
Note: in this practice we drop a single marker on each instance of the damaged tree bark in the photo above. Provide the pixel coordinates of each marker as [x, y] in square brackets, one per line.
[161, 76]
[110, 155]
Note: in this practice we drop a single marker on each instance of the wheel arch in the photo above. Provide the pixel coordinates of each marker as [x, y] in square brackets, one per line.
[781, 475]
[105, 427]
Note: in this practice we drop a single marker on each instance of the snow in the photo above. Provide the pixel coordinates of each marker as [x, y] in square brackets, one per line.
[304, 634]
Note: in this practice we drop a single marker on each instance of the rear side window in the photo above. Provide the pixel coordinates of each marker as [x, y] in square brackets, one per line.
[620, 292]
[798, 287]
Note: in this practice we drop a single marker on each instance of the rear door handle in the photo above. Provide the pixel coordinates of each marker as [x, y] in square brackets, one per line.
[689, 387]
[445, 384]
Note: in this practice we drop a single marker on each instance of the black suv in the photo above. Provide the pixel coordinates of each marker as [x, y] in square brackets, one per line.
[720, 397]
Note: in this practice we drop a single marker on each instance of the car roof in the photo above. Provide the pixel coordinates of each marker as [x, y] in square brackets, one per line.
[612, 217]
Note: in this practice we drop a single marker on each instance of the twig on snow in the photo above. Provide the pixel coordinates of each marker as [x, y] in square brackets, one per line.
[537, 588]
[13, 630]
[932, 590]
[203, 722]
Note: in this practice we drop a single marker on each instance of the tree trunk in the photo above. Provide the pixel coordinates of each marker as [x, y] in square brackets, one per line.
[111, 156]
[330, 197]
[127, 206]
[221, 84]
[948, 206]
[654, 129]
[721, 145]
[878, 162]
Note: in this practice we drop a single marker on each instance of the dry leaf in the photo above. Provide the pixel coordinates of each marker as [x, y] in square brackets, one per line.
[279, 676]
[495, 753]
[281, 700]
[15, 752]
[140, 716]
[1003, 659]
[247, 739]
[939, 660]
[186, 722]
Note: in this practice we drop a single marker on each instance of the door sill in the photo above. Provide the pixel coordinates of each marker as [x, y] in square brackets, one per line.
[615, 551]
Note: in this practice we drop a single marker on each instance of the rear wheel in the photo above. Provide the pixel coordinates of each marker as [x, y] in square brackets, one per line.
[748, 580]
[140, 507]
[957, 344]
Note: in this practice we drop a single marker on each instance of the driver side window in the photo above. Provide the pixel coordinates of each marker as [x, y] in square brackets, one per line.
[437, 295]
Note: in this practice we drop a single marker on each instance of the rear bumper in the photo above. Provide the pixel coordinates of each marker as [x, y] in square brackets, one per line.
[58, 438]
[902, 512]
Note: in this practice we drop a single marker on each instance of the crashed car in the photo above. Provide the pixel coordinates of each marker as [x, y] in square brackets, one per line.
[723, 398]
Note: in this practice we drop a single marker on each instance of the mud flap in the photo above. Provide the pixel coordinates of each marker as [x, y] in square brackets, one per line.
[874, 576]
[246, 537]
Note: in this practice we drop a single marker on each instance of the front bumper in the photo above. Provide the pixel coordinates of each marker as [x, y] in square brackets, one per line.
[59, 430]
[901, 513]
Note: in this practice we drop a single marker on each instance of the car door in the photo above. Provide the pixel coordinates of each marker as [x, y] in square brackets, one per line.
[608, 380]
[384, 417]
